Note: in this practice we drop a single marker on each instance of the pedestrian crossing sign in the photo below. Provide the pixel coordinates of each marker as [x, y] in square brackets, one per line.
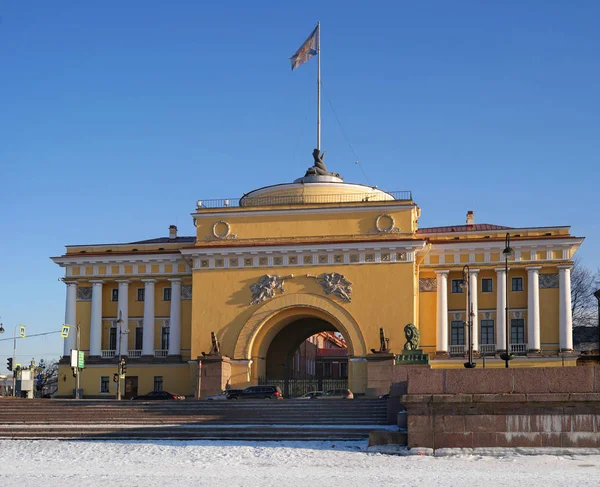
[64, 333]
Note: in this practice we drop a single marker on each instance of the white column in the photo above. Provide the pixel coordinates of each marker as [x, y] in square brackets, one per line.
[96, 319]
[70, 317]
[442, 312]
[175, 318]
[474, 307]
[123, 313]
[501, 309]
[533, 308]
[148, 333]
[565, 321]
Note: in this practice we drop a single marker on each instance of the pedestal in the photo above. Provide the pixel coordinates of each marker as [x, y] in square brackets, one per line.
[380, 370]
[214, 371]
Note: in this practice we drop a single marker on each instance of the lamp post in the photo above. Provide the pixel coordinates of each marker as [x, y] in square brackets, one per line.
[507, 252]
[119, 323]
[597, 294]
[465, 284]
[14, 361]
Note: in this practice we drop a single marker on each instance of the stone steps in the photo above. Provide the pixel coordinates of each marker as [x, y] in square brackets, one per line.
[224, 420]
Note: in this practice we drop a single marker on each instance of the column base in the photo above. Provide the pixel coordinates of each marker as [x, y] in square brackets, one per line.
[441, 355]
[534, 353]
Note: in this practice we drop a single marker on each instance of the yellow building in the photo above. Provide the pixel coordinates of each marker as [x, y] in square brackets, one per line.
[287, 261]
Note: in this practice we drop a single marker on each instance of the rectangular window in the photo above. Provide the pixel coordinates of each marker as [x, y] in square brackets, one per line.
[139, 334]
[326, 369]
[167, 294]
[517, 331]
[456, 286]
[344, 369]
[104, 384]
[141, 294]
[517, 283]
[112, 339]
[114, 297]
[158, 383]
[487, 332]
[487, 286]
[164, 338]
[457, 332]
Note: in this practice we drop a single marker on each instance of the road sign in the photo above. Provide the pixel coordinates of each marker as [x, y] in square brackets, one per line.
[74, 357]
[22, 331]
[81, 360]
[64, 333]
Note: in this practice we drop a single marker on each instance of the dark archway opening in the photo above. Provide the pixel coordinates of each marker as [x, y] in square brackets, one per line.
[308, 354]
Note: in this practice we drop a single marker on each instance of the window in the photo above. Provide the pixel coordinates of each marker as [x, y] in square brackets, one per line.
[167, 294]
[326, 369]
[158, 383]
[114, 297]
[112, 339]
[164, 338]
[487, 286]
[487, 332]
[517, 331]
[141, 294]
[139, 334]
[104, 384]
[344, 369]
[456, 286]
[517, 283]
[457, 333]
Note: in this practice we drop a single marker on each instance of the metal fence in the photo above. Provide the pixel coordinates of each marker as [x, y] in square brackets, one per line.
[295, 199]
[298, 387]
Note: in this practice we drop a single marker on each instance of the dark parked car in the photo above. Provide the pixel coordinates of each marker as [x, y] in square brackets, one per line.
[258, 392]
[158, 396]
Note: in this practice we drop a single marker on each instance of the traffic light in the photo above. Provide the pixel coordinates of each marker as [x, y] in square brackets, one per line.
[9, 364]
[74, 369]
[123, 367]
[115, 377]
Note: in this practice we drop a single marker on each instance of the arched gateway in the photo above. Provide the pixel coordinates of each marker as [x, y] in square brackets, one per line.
[264, 272]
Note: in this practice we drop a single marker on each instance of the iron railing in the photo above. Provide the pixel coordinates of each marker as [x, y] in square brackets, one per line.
[298, 387]
[295, 199]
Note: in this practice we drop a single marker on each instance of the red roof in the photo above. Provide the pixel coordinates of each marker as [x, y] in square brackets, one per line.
[463, 228]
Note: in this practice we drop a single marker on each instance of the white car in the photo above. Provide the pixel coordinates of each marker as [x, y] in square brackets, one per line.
[311, 395]
[222, 396]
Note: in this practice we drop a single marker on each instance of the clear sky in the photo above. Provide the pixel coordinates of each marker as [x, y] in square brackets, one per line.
[115, 117]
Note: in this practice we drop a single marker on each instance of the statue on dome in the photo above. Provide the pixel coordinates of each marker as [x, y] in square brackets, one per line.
[319, 168]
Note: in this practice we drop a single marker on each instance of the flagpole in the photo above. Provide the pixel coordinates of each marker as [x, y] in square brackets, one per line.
[319, 86]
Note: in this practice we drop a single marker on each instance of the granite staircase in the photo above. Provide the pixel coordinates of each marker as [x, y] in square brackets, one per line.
[192, 420]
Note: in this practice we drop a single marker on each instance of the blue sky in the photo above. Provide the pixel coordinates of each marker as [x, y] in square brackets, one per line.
[115, 117]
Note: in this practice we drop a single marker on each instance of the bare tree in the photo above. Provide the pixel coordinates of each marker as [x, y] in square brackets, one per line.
[584, 305]
[48, 382]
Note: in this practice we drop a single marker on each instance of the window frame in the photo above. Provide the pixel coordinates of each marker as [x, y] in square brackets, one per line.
[165, 333]
[487, 325]
[491, 283]
[167, 294]
[114, 295]
[158, 383]
[456, 289]
[103, 383]
[141, 292]
[459, 328]
[520, 328]
[519, 287]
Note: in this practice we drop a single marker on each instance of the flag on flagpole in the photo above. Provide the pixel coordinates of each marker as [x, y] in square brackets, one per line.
[307, 50]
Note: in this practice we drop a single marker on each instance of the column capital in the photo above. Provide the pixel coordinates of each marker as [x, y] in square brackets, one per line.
[473, 271]
[441, 271]
[69, 283]
[96, 281]
[564, 267]
[123, 281]
[149, 281]
[501, 269]
[175, 279]
[533, 268]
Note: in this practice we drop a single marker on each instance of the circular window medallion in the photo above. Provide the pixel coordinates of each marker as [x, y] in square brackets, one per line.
[385, 223]
[221, 229]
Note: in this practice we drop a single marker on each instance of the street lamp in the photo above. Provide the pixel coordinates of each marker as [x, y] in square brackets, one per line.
[119, 323]
[597, 294]
[507, 252]
[464, 284]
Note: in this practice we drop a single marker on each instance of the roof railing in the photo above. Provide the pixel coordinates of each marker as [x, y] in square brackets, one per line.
[295, 199]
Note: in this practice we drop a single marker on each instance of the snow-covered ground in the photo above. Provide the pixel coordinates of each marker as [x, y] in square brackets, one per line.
[229, 464]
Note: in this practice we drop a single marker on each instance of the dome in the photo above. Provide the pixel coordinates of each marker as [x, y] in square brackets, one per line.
[314, 189]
